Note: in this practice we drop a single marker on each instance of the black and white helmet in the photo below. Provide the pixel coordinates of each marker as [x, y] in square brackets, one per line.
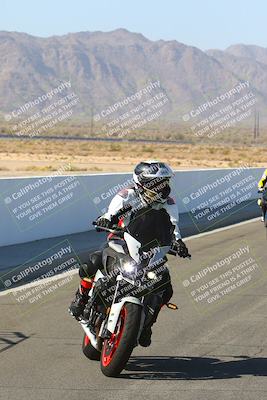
[152, 179]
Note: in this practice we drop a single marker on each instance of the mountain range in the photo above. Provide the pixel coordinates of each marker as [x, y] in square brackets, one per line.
[104, 67]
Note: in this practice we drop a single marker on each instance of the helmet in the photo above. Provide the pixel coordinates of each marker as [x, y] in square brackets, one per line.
[152, 180]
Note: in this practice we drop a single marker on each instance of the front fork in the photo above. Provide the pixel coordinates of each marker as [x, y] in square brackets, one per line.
[108, 326]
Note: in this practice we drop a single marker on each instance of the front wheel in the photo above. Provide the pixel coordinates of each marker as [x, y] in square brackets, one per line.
[116, 351]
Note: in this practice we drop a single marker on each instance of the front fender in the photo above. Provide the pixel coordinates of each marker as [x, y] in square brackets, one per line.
[116, 309]
[91, 336]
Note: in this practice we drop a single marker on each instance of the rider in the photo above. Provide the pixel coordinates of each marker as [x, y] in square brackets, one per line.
[150, 192]
[261, 188]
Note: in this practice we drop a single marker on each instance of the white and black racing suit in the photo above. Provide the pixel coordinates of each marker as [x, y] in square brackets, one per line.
[144, 221]
[125, 209]
[127, 203]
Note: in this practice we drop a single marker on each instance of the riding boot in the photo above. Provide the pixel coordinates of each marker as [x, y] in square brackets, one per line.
[81, 298]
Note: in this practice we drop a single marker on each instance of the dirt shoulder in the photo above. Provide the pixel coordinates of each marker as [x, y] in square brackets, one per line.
[39, 157]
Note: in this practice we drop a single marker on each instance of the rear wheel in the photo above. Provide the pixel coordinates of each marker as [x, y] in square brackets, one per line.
[116, 351]
[88, 350]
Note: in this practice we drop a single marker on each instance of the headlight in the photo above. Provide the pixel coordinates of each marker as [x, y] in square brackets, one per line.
[151, 275]
[129, 268]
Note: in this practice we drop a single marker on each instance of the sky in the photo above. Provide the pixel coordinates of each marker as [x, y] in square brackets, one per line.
[202, 23]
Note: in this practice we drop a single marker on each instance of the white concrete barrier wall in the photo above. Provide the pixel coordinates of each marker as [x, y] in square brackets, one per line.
[33, 208]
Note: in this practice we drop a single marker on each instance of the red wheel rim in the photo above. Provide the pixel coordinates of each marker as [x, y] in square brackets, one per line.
[86, 340]
[110, 345]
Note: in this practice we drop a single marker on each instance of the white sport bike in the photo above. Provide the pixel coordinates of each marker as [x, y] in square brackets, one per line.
[123, 298]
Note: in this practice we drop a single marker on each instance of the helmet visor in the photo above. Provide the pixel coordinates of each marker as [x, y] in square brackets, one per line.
[157, 190]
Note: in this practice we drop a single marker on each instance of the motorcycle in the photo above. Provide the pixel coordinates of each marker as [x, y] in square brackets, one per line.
[262, 202]
[123, 300]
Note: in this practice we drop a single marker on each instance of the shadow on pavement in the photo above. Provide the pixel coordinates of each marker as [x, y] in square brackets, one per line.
[10, 339]
[193, 368]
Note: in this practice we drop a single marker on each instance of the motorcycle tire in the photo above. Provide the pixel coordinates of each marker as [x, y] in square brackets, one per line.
[117, 350]
[88, 350]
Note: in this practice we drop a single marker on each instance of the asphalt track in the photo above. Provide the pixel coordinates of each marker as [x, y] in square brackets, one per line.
[219, 353]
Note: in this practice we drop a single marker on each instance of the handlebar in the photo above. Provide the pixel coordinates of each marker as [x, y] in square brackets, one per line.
[102, 228]
[120, 231]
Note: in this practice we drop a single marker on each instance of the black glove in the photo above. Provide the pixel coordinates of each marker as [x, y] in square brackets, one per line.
[103, 223]
[179, 248]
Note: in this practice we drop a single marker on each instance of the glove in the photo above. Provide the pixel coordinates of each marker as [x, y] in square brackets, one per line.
[103, 223]
[179, 248]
